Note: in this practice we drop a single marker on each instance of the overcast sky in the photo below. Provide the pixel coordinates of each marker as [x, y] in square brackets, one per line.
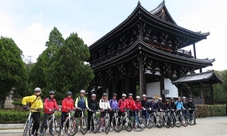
[30, 22]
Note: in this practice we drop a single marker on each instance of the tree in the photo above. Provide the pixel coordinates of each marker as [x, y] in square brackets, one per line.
[37, 74]
[68, 70]
[220, 90]
[12, 69]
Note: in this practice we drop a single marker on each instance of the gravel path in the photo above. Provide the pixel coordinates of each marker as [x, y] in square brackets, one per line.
[213, 126]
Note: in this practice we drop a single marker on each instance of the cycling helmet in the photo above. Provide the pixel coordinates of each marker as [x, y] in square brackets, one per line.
[183, 97]
[172, 98]
[69, 93]
[114, 94]
[51, 92]
[167, 100]
[82, 91]
[130, 94]
[144, 95]
[104, 94]
[190, 98]
[37, 89]
[160, 98]
[93, 95]
[137, 97]
[123, 95]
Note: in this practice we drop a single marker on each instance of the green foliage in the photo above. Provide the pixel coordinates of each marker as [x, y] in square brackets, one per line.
[68, 70]
[210, 110]
[12, 69]
[220, 90]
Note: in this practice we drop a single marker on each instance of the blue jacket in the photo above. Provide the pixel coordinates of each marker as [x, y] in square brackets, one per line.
[179, 105]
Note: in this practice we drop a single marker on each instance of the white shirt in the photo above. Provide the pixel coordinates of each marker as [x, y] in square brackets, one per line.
[104, 104]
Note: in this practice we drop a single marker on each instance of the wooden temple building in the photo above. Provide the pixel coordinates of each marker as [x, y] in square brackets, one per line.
[145, 53]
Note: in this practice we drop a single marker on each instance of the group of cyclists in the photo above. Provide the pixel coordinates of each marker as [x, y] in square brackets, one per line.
[81, 102]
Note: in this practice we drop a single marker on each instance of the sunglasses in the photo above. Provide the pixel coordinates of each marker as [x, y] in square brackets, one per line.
[37, 91]
[51, 94]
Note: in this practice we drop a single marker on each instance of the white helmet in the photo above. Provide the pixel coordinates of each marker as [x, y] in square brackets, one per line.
[123, 95]
[37, 89]
[82, 91]
[93, 95]
[183, 97]
[137, 97]
[160, 98]
[144, 95]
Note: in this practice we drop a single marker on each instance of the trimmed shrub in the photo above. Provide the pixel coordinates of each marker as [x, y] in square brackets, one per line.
[210, 110]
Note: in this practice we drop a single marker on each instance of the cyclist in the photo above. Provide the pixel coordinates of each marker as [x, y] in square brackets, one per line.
[36, 105]
[152, 104]
[131, 105]
[167, 105]
[138, 103]
[145, 105]
[67, 106]
[114, 106]
[184, 105]
[123, 104]
[103, 105]
[179, 104]
[159, 105]
[82, 103]
[173, 104]
[50, 105]
[92, 105]
[191, 106]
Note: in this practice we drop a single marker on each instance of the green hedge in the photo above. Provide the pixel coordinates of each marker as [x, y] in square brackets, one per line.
[210, 110]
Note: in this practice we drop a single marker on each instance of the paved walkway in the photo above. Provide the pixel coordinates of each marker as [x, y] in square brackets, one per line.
[213, 126]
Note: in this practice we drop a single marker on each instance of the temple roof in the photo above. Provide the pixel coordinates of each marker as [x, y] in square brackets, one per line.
[205, 77]
[162, 12]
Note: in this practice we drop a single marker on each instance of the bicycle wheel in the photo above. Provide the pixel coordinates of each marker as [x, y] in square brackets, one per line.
[72, 127]
[57, 124]
[140, 124]
[30, 126]
[191, 119]
[159, 121]
[184, 120]
[128, 124]
[177, 120]
[167, 121]
[83, 125]
[118, 124]
[107, 125]
[96, 124]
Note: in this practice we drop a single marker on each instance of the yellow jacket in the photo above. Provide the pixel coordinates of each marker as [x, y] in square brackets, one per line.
[36, 102]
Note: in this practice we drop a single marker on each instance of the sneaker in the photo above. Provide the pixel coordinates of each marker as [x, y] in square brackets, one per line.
[100, 130]
[41, 134]
[111, 129]
[52, 133]
[89, 131]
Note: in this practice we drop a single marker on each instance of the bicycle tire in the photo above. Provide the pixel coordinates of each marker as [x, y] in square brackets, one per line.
[72, 130]
[84, 125]
[192, 120]
[141, 124]
[168, 122]
[159, 121]
[96, 125]
[184, 119]
[119, 124]
[129, 124]
[57, 124]
[107, 125]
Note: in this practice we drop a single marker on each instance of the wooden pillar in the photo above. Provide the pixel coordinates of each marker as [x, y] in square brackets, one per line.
[180, 92]
[141, 75]
[145, 85]
[162, 83]
[194, 50]
[202, 94]
[212, 94]
[200, 70]
[126, 90]
[191, 91]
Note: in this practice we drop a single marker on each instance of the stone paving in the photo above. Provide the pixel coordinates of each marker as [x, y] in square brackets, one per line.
[213, 126]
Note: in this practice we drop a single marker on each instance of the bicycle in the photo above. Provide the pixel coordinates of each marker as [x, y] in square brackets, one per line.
[51, 120]
[176, 120]
[70, 130]
[107, 120]
[140, 121]
[191, 116]
[156, 119]
[167, 120]
[82, 122]
[183, 118]
[29, 123]
[116, 120]
[94, 121]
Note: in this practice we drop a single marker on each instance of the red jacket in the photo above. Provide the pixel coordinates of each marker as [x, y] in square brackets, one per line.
[50, 104]
[138, 105]
[67, 104]
[131, 104]
[122, 103]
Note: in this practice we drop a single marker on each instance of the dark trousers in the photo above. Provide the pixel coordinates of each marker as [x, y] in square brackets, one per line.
[44, 123]
[89, 120]
[36, 119]
[63, 118]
